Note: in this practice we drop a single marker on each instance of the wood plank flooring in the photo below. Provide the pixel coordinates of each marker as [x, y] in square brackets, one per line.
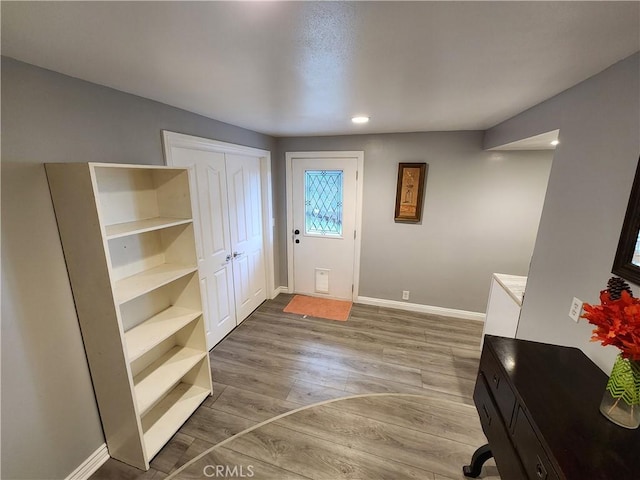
[277, 362]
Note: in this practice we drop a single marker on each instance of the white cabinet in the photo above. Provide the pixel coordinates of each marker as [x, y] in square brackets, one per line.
[128, 240]
[505, 302]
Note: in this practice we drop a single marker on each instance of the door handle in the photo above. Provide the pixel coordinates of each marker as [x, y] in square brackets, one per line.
[237, 254]
[227, 259]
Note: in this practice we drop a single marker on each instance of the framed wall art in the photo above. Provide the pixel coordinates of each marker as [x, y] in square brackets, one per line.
[627, 261]
[410, 192]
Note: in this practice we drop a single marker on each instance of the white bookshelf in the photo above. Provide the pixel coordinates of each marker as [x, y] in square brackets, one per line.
[127, 235]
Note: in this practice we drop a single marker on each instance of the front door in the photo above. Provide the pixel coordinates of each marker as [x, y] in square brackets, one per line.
[324, 213]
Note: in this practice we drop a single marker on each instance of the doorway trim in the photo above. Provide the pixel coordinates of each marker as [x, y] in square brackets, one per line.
[290, 158]
[180, 140]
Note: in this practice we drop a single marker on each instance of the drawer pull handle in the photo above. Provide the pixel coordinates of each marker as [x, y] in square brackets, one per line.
[541, 472]
[484, 408]
[496, 379]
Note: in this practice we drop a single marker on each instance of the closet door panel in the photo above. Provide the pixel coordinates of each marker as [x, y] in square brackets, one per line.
[245, 216]
[208, 178]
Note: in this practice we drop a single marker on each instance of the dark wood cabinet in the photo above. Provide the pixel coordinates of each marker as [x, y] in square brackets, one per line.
[539, 409]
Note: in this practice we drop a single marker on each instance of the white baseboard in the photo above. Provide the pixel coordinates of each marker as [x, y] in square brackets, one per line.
[279, 290]
[412, 307]
[91, 464]
[416, 307]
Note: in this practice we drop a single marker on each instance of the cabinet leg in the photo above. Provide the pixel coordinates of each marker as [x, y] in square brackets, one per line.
[480, 456]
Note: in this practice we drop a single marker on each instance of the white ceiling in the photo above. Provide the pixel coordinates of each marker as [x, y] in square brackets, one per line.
[304, 68]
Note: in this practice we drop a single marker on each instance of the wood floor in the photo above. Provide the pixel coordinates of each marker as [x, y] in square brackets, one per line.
[276, 362]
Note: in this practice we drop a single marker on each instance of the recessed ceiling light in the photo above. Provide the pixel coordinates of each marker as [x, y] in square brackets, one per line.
[360, 119]
[555, 142]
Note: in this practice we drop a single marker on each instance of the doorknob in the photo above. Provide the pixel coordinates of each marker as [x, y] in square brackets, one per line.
[227, 259]
[237, 254]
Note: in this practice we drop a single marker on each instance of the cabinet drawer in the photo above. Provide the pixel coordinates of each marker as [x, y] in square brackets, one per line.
[533, 457]
[509, 466]
[498, 385]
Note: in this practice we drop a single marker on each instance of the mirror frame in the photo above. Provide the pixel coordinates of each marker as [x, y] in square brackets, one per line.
[622, 264]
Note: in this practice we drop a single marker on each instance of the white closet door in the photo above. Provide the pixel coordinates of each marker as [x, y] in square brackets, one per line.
[208, 178]
[245, 216]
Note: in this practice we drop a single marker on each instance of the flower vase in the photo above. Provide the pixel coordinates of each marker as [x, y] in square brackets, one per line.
[621, 400]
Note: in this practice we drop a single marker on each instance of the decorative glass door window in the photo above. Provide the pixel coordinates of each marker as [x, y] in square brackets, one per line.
[323, 202]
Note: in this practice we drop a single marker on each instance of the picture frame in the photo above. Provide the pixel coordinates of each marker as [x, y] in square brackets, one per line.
[410, 192]
[626, 263]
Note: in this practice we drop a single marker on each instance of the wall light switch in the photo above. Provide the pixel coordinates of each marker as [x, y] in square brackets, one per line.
[405, 294]
[576, 309]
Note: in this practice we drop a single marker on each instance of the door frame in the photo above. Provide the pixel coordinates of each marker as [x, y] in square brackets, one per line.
[290, 158]
[180, 140]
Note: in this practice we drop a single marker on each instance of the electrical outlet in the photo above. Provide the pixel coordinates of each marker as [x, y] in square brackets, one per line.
[575, 310]
[405, 294]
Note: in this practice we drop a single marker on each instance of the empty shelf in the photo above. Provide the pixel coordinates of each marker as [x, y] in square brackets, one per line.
[164, 419]
[151, 332]
[159, 377]
[131, 287]
[141, 226]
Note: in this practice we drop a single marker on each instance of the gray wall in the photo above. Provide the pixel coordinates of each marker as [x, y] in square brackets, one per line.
[481, 215]
[50, 423]
[589, 186]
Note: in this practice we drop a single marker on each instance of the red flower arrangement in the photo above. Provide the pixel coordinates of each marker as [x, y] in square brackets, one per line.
[617, 319]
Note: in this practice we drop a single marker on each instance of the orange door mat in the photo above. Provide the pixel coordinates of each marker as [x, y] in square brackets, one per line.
[320, 307]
